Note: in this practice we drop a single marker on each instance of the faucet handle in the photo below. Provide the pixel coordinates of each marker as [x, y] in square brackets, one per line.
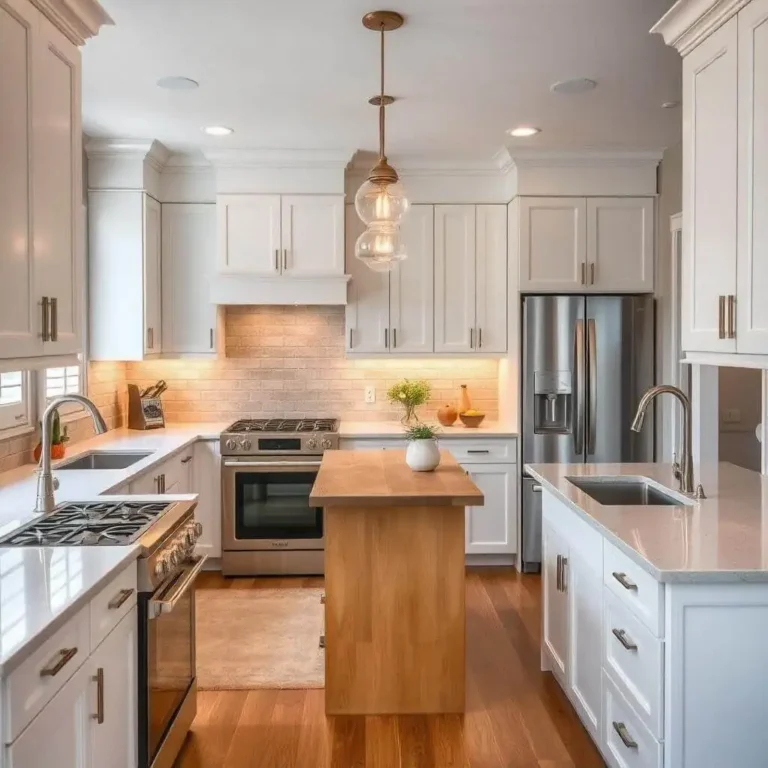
[677, 470]
[55, 481]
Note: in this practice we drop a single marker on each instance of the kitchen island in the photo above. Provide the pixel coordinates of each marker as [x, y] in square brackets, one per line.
[394, 583]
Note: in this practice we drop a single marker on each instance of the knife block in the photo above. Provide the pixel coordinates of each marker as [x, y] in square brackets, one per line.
[144, 412]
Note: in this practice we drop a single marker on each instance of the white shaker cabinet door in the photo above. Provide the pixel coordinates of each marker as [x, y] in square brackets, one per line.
[620, 244]
[57, 186]
[20, 307]
[114, 732]
[752, 306]
[491, 279]
[312, 235]
[555, 601]
[553, 244]
[189, 263]
[249, 234]
[60, 734]
[367, 310]
[709, 190]
[153, 328]
[411, 307]
[454, 278]
[492, 528]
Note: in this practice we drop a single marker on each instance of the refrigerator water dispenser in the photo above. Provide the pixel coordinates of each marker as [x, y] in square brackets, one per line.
[552, 402]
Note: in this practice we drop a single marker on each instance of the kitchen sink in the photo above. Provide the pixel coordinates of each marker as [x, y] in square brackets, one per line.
[613, 492]
[104, 460]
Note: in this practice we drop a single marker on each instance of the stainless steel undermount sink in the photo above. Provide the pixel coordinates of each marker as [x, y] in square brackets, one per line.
[104, 460]
[613, 492]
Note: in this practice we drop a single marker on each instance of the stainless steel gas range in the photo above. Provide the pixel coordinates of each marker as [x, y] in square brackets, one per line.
[167, 567]
[268, 469]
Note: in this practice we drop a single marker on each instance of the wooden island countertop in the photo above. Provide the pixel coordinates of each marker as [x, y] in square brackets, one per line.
[382, 478]
[395, 621]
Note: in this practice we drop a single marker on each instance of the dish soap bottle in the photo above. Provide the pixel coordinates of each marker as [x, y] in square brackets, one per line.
[465, 404]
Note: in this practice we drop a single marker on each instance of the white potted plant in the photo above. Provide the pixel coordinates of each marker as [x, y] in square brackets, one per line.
[422, 454]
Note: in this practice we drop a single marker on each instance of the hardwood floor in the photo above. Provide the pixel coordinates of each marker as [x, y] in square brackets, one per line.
[516, 716]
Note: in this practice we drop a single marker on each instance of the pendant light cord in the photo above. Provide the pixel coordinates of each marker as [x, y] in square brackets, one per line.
[381, 103]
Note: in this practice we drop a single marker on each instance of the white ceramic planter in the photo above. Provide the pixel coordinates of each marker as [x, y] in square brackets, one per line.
[422, 455]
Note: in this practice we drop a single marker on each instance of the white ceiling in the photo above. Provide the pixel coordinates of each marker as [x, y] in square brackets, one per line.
[297, 74]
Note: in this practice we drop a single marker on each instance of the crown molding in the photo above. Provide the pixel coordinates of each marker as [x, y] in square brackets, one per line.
[279, 158]
[541, 158]
[688, 22]
[77, 19]
[150, 150]
[426, 165]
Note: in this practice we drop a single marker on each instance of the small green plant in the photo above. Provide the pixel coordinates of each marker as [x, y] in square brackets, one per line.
[421, 432]
[409, 394]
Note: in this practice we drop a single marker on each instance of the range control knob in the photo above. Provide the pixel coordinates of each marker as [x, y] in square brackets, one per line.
[311, 443]
[198, 529]
[174, 557]
[160, 569]
[246, 445]
[326, 443]
[190, 536]
[230, 445]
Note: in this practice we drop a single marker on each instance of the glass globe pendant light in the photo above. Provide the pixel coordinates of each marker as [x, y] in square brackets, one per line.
[381, 202]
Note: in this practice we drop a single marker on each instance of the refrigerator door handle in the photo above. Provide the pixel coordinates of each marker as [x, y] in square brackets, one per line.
[578, 431]
[592, 386]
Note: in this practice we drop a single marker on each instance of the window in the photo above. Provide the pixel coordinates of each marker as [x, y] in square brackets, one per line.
[54, 382]
[14, 400]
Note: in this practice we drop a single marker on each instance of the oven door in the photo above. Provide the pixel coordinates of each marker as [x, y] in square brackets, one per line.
[266, 504]
[167, 664]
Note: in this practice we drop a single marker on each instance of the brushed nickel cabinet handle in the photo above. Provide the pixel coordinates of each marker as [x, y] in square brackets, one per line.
[162, 483]
[211, 337]
[721, 317]
[731, 317]
[157, 484]
[479, 338]
[478, 450]
[186, 460]
[54, 323]
[621, 636]
[621, 729]
[99, 680]
[285, 259]
[350, 338]
[119, 599]
[624, 581]
[386, 338]
[277, 259]
[583, 272]
[563, 580]
[394, 338]
[558, 579]
[45, 333]
[471, 338]
[63, 657]
[592, 273]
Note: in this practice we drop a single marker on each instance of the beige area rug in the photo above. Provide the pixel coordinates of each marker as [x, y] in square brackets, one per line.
[259, 638]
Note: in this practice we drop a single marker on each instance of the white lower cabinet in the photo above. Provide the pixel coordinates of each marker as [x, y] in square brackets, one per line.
[554, 609]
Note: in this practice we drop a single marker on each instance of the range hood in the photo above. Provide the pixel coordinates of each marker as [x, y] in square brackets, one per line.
[244, 288]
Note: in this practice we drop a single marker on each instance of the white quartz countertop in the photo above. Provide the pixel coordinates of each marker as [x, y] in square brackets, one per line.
[396, 429]
[718, 539]
[43, 587]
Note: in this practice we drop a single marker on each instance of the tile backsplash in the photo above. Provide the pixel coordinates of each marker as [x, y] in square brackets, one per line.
[289, 361]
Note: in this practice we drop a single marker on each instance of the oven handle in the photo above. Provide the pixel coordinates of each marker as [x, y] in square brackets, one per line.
[271, 464]
[156, 607]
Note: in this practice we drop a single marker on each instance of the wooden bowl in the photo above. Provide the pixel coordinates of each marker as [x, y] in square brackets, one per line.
[471, 421]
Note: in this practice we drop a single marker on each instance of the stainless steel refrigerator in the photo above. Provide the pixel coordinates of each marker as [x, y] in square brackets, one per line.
[586, 362]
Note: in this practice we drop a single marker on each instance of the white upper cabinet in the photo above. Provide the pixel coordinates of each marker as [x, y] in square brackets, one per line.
[188, 265]
[249, 234]
[553, 243]
[620, 244]
[470, 278]
[153, 297]
[752, 259]
[312, 235]
[710, 78]
[288, 235]
[411, 286]
[40, 187]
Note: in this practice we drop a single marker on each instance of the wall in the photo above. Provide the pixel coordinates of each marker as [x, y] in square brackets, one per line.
[740, 389]
[289, 361]
[106, 387]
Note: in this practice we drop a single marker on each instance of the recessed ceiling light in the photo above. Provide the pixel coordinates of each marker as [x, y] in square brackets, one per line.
[178, 83]
[670, 104]
[523, 131]
[575, 85]
[218, 130]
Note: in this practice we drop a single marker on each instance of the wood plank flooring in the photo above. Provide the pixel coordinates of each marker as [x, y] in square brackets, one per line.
[517, 717]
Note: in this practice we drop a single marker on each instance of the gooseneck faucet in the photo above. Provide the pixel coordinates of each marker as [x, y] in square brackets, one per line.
[45, 501]
[684, 470]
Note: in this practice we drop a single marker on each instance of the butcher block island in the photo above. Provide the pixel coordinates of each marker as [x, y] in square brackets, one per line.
[394, 583]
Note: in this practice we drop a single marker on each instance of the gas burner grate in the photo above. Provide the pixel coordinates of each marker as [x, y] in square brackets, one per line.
[284, 425]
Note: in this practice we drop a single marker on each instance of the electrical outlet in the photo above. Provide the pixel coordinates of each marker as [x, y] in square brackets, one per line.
[732, 416]
[370, 395]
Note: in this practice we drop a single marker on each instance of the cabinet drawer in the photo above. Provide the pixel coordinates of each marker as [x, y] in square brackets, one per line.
[478, 450]
[112, 603]
[635, 588]
[372, 443]
[35, 681]
[634, 657]
[627, 742]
